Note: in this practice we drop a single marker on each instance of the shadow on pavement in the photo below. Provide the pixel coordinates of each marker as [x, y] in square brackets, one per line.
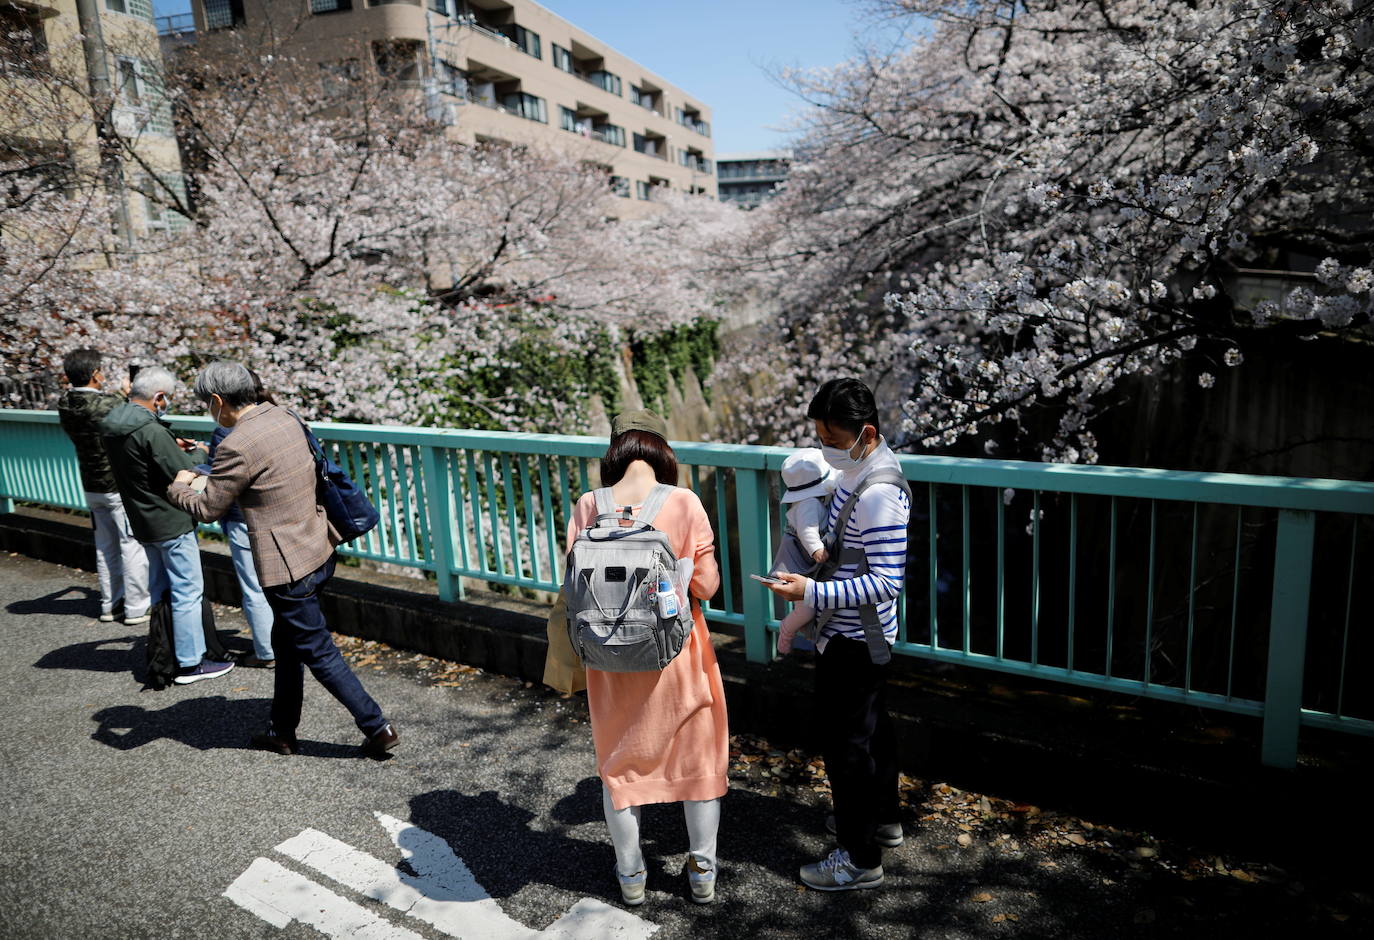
[108, 656]
[74, 601]
[494, 838]
[114, 654]
[201, 723]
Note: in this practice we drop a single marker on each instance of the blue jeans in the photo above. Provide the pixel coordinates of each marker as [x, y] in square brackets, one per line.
[256, 610]
[301, 638]
[175, 565]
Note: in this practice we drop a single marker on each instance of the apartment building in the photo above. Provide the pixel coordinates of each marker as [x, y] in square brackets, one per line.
[504, 70]
[747, 179]
[100, 47]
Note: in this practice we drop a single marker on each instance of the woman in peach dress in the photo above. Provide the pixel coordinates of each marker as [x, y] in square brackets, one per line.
[661, 737]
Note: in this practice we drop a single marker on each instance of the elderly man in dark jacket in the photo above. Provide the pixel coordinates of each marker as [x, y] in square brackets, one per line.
[146, 456]
[120, 564]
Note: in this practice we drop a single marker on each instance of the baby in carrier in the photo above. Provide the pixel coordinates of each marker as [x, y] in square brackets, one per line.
[809, 481]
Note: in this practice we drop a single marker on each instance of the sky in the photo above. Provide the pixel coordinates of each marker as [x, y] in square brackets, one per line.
[720, 51]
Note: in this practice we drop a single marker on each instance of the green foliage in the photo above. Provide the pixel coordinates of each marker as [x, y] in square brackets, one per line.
[540, 383]
[659, 356]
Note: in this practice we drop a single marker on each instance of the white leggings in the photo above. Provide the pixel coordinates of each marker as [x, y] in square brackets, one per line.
[703, 819]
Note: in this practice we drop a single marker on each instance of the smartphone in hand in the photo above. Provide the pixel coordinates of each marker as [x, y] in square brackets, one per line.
[765, 579]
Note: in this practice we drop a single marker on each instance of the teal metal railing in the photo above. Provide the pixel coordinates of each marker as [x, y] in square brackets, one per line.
[1240, 593]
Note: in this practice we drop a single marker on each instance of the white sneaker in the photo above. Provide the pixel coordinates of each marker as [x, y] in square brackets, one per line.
[107, 617]
[836, 872]
[632, 887]
[702, 880]
[135, 621]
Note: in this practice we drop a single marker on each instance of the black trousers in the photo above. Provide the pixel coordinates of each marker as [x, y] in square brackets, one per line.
[858, 745]
[301, 640]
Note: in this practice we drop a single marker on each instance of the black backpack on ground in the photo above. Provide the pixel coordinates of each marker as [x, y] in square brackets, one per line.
[161, 653]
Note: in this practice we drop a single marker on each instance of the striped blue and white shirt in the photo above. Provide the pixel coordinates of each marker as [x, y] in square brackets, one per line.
[877, 525]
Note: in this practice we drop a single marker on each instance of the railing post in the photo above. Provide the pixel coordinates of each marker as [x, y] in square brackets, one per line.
[439, 506]
[751, 502]
[1287, 638]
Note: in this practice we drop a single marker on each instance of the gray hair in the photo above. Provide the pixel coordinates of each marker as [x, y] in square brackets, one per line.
[150, 381]
[231, 381]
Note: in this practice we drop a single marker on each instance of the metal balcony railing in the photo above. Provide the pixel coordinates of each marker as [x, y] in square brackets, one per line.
[1193, 588]
[177, 25]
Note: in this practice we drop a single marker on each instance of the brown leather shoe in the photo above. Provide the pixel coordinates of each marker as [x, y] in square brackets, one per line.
[270, 742]
[252, 662]
[382, 741]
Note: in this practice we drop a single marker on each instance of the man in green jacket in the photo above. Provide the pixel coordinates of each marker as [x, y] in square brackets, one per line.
[120, 563]
[146, 456]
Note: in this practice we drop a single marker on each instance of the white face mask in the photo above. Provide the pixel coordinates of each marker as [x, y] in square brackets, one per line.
[216, 417]
[844, 460]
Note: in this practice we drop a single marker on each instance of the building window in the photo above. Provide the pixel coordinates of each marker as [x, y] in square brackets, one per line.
[609, 134]
[691, 118]
[562, 59]
[337, 77]
[24, 42]
[223, 14]
[527, 106]
[605, 80]
[620, 186]
[567, 119]
[645, 98]
[143, 9]
[439, 6]
[330, 6]
[526, 41]
[642, 190]
[398, 59]
[130, 86]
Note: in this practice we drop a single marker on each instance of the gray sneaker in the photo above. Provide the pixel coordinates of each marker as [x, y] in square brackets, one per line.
[702, 879]
[836, 872]
[632, 886]
[887, 834]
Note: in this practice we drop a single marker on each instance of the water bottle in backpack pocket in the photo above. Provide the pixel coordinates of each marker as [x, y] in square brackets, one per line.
[626, 612]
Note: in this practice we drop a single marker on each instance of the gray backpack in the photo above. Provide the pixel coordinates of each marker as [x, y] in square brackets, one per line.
[612, 584]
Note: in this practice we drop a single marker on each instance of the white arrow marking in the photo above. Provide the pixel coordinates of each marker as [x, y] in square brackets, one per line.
[279, 896]
[440, 870]
[447, 897]
[590, 919]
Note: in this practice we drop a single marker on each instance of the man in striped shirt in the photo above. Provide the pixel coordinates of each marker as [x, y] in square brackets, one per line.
[858, 743]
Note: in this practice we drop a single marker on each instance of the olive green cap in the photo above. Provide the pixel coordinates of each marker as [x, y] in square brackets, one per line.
[639, 420]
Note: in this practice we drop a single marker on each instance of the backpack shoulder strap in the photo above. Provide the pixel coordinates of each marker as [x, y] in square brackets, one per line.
[605, 503]
[654, 502]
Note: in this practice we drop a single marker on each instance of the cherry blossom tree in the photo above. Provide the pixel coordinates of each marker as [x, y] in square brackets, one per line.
[373, 268]
[1007, 217]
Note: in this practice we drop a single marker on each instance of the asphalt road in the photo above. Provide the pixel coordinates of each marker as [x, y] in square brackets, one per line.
[129, 813]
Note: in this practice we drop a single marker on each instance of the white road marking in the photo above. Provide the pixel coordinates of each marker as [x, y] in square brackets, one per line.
[442, 892]
[446, 896]
[279, 896]
[590, 919]
[433, 860]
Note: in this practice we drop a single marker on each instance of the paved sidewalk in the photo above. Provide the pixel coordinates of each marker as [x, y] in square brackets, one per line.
[129, 813]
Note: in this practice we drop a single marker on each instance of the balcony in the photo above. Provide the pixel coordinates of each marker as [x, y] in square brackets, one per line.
[180, 25]
[690, 118]
[696, 162]
[651, 145]
[512, 35]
